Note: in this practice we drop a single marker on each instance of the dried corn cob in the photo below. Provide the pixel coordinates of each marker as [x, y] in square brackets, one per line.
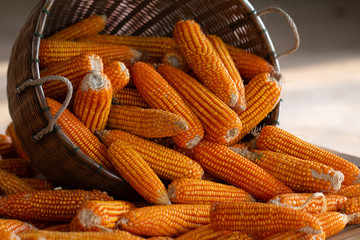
[6, 146]
[165, 162]
[298, 174]
[85, 27]
[352, 208]
[74, 69]
[99, 215]
[309, 202]
[146, 122]
[129, 96]
[174, 58]
[58, 227]
[17, 166]
[249, 64]
[118, 74]
[10, 131]
[15, 226]
[38, 183]
[220, 123]
[262, 94]
[133, 168]
[261, 217]
[47, 205]
[225, 57]
[58, 51]
[171, 221]
[348, 191]
[294, 235]
[204, 232]
[93, 101]
[332, 222]
[196, 191]
[204, 61]
[159, 94]
[155, 46]
[80, 135]
[10, 183]
[225, 164]
[278, 140]
[5, 235]
[236, 236]
[53, 235]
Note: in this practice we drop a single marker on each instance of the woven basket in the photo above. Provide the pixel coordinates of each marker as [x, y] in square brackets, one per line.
[54, 155]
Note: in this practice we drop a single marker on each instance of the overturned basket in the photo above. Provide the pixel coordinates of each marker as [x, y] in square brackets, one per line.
[235, 21]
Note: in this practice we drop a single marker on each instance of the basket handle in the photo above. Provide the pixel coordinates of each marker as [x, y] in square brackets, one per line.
[292, 26]
[38, 136]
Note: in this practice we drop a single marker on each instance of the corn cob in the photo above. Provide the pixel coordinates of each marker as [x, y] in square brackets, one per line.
[47, 205]
[38, 183]
[57, 51]
[172, 221]
[146, 122]
[154, 46]
[133, 168]
[10, 131]
[160, 238]
[6, 147]
[15, 226]
[298, 174]
[129, 96]
[220, 123]
[10, 183]
[159, 94]
[352, 208]
[348, 191]
[332, 222]
[86, 27]
[5, 235]
[311, 203]
[99, 215]
[249, 64]
[261, 217]
[196, 191]
[74, 69]
[278, 140]
[93, 101]
[204, 232]
[165, 162]
[236, 236]
[118, 74]
[204, 61]
[58, 227]
[225, 164]
[17, 166]
[53, 235]
[174, 58]
[262, 94]
[225, 57]
[294, 235]
[80, 135]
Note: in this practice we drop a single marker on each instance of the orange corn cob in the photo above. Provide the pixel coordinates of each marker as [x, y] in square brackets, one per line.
[93, 101]
[86, 27]
[294, 235]
[10, 183]
[5, 235]
[174, 58]
[348, 191]
[10, 131]
[129, 96]
[99, 215]
[38, 183]
[249, 64]
[154, 46]
[298, 174]
[15, 226]
[53, 235]
[59, 227]
[118, 74]
[225, 164]
[225, 57]
[172, 221]
[165, 162]
[47, 205]
[6, 146]
[220, 123]
[160, 238]
[332, 222]
[311, 203]
[74, 69]
[58, 51]
[159, 94]
[17, 166]
[80, 135]
[278, 140]
[204, 232]
[262, 94]
[133, 168]
[261, 217]
[196, 191]
[236, 236]
[146, 122]
[352, 208]
[204, 61]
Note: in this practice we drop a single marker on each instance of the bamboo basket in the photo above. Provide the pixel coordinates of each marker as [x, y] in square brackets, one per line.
[54, 155]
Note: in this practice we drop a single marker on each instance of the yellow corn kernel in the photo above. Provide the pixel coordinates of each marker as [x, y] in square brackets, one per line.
[332, 222]
[348, 191]
[129, 97]
[118, 74]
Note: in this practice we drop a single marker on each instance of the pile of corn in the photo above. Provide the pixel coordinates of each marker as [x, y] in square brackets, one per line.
[169, 115]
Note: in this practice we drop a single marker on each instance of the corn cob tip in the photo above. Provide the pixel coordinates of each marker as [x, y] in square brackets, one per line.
[234, 98]
[193, 142]
[336, 179]
[138, 55]
[275, 74]
[231, 134]
[350, 217]
[94, 80]
[311, 230]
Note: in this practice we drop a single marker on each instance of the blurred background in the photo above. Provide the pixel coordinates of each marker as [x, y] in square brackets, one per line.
[321, 99]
